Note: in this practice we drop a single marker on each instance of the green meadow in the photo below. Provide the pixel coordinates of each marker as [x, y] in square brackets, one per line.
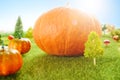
[37, 65]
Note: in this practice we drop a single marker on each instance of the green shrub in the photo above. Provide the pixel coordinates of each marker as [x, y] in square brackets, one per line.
[0, 40]
[116, 32]
[29, 33]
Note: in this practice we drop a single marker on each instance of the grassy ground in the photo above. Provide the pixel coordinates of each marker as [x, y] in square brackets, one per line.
[39, 66]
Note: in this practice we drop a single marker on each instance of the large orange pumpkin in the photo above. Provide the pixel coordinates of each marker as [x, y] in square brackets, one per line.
[10, 61]
[64, 31]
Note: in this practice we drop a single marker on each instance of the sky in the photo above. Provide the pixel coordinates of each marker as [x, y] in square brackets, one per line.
[106, 11]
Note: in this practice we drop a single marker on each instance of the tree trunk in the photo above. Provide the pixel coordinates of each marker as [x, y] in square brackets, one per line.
[104, 32]
[94, 61]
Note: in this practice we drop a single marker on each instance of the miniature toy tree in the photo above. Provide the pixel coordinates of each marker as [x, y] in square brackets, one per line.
[104, 28]
[93, 47]
[18, 28]
[29, 33]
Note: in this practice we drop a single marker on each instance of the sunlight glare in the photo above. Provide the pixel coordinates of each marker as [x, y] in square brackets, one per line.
[92, 6]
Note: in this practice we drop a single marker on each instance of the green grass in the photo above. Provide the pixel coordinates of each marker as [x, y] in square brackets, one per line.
[39, 66]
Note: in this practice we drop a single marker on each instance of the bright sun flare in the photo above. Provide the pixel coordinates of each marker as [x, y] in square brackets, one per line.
[91, 6]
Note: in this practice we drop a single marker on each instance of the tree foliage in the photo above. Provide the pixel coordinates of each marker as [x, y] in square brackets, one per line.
[104, 28]
[93, 46]
[18, 28]
[29, 33]
[115, 32]
[0, 40]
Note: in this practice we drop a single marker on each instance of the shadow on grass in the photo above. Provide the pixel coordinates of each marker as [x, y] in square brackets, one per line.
[58, 68]
[48, 67]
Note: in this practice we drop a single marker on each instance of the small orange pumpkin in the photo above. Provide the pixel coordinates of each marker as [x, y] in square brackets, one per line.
[64, 31]
[10, 61]
[116, 37]
[10, 37]
[23, 45]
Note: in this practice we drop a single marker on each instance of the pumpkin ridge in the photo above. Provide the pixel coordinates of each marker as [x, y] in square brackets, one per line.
[3, 68]
[34, 33]
[63, 52]
[61, 12]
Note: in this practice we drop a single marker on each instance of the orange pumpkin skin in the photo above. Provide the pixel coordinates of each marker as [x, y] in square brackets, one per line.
[64, 31]
[23, 45]
[10, 61]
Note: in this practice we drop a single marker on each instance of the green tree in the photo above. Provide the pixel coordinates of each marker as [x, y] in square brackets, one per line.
[0, 40]
[104, 28]
[29, 33]
[18, 28]
[93, 47]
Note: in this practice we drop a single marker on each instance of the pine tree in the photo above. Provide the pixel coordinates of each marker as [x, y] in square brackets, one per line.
[18, 28]
[93, 47]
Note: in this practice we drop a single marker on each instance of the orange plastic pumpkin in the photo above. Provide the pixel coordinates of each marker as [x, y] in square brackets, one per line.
[10, 37]
[64, 31]
[116, 37]
[23, 45]
[10, 61]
